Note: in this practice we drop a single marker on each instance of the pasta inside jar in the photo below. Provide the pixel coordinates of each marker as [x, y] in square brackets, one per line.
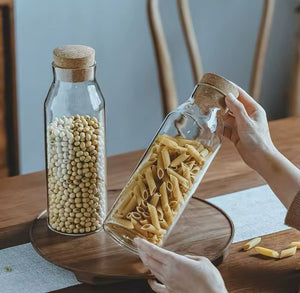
[151, 201]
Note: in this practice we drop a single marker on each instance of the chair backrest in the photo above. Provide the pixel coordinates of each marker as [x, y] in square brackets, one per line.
[164, 64]
[9, 150]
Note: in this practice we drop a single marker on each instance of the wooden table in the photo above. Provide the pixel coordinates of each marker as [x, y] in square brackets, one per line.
[22, 198]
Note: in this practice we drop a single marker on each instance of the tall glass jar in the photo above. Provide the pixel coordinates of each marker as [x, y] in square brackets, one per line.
[172, 167]
[75, 144]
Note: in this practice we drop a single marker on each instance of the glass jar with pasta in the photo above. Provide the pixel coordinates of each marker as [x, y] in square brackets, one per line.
[172, 167]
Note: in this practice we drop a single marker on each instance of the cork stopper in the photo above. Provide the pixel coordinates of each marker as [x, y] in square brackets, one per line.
[74, 56]
[212, 90]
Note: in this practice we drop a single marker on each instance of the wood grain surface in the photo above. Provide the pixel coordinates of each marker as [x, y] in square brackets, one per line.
[202, 229]
[23, 197]
[243, 272]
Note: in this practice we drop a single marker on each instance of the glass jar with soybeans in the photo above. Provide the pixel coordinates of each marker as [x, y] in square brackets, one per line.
[75, 144]
[172, 167]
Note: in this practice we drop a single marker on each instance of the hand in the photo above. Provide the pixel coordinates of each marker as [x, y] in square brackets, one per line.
[246, 126]
[177, 273]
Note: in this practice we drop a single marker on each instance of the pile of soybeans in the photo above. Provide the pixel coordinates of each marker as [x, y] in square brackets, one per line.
[76, 174]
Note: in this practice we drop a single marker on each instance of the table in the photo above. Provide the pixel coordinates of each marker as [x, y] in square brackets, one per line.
[23, 197]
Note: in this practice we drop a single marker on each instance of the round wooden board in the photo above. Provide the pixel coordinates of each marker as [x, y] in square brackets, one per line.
[203, 229]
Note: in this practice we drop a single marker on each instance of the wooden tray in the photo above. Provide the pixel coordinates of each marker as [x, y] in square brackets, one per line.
[203, 229]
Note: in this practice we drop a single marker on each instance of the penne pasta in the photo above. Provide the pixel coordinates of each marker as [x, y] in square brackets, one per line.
[124, 223]
[169, 185]
[159, 187]
[136, 215]
[137, 194]
[146, 215]
[143, 190]
[195, 170]
[146, 165]
[178, 160]
[186, 173]
[152, 229]
[154, 172]
[153, 216]
[191, 164]
[140, 210]
[144, 222]
[138, 227]
[164, 196]
[195, 154]
[160, 167]
[288, 252]
[176, 190]
[150, 181]
[154, 199]
[297, 244]
[251, 243]
[129, 207]
[167, 141]
[144, 204]
[168, 215]
[267, 252]
[174, 205]
[204, 153]
[183, 141]
[126, 199]
[128, 216]
[181, 179]
[165, 157]
[160, 213]
[163, 224]
[153, 157]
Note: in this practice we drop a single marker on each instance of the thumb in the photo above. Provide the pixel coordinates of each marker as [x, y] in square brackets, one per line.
[236, 107]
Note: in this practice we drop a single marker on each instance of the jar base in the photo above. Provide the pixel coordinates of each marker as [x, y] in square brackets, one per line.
[123, 239]
[73, 234]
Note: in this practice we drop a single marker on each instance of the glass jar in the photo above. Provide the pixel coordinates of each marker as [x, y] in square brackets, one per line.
[172, 167]
[75, 144]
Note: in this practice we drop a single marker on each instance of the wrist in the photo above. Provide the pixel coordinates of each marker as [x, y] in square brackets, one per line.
[267, 161]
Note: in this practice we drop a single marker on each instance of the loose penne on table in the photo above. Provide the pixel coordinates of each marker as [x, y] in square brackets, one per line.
[150, 202]
[252, 243]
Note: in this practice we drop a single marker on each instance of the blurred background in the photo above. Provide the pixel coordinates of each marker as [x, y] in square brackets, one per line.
[226, 33]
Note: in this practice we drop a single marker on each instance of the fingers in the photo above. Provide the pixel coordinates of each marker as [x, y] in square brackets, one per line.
[157, 287]
[249, 103]
[236, 107]
[156, 268]
[194, 257]
[157, 253]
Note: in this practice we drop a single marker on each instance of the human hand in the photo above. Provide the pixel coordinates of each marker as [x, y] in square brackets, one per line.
[246, 126]
[177, 273]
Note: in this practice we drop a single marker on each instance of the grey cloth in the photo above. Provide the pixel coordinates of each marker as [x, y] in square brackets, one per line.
[254, 212]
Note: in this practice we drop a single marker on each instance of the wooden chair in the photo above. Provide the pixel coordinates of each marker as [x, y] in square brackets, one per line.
[164, 64]
[294, 109]
[9, 152]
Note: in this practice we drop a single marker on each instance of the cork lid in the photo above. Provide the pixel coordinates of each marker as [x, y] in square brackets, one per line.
[212, 90]
[74, 56]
